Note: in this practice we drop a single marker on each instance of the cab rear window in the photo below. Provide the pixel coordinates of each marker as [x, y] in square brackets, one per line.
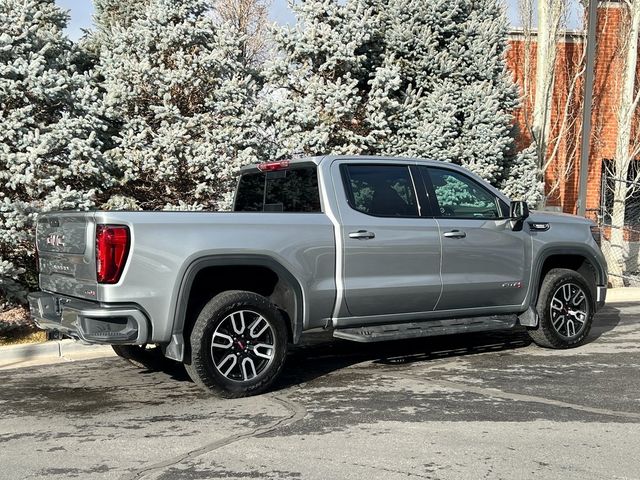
[292, 190]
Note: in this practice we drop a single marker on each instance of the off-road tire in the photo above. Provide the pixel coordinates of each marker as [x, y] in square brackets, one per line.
[199, 362]
[545, 335]
[147, 357]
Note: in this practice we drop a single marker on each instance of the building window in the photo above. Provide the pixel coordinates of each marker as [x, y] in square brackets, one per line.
[632, 207]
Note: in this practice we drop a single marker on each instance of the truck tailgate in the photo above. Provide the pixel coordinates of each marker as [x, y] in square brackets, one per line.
[66, 250]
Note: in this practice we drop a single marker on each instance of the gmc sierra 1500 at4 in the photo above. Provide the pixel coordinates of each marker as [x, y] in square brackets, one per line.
[371, 248]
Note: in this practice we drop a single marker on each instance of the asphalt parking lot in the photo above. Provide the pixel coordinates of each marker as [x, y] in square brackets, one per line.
[476, 406]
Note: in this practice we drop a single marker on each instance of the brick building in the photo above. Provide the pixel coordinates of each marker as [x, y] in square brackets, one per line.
[564, 151]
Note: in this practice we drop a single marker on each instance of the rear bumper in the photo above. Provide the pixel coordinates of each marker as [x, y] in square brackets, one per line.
[91, 322]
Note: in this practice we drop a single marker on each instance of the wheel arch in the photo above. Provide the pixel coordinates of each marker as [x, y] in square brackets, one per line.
[580, 259]
[281, 287]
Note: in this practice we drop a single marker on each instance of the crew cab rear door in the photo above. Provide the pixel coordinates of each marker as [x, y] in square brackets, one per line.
[391, 246]
[485, 263]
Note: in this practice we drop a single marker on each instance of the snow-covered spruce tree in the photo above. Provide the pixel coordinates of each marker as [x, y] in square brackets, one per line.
[320, 94]
[108, 13]
[412, 78]
[183, 104]
[118, 12]
[49, 151]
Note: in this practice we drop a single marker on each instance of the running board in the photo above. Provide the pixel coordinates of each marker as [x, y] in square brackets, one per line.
[427, 328]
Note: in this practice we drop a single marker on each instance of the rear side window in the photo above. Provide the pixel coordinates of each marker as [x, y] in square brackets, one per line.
[291, 190]
[381, 190]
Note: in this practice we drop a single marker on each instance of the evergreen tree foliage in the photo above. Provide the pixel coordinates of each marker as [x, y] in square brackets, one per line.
[399, 77]
[523, 181]
[320, 83]
[108, 13]
[50, 153]
[183, 105]
[118, 12]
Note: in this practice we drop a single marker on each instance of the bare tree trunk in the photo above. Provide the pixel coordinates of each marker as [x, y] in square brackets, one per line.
[616, 251]
[620, 169]
[568, 119]
[550, 15]
[525, 9]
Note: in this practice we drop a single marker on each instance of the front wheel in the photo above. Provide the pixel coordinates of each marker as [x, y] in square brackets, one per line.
[565, 309]
[238, 345]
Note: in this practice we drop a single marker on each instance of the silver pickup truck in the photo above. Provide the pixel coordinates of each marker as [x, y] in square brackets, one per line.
[370, 248]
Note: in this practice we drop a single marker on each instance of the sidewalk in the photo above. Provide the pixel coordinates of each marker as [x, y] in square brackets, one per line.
[623, 295]
[57, 351]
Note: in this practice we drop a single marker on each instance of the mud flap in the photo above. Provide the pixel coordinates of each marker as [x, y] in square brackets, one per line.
[529, 318]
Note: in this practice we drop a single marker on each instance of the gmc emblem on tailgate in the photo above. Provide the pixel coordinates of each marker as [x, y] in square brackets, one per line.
[55, 240]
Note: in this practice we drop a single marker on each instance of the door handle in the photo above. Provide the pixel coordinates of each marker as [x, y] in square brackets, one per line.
[362, 235]
[455, 234]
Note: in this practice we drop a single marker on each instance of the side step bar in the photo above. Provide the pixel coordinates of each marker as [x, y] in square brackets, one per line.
[427, 328]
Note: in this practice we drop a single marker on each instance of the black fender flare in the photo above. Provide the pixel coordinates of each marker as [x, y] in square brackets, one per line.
[186, 283]
[547, 252]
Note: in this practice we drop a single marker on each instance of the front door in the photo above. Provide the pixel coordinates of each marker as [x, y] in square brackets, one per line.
[484, 262]
[391, 246]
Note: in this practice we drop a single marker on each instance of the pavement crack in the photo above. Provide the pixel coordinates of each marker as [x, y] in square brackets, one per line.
[518, 397]
[296, 413]
[379, 468]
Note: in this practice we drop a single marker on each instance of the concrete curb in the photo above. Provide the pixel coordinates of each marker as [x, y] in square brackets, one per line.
[14, 354]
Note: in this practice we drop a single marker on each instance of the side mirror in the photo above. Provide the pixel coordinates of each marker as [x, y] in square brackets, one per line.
[518, 211]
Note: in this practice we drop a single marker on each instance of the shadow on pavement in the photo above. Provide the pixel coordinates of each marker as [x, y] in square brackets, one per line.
[606, 320]
[320, 354]
[175, 370]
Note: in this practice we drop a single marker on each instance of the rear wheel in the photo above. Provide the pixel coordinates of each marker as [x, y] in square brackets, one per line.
[565, 309]
[238, 345]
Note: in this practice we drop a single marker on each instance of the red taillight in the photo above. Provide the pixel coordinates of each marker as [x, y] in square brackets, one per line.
[112, 248]
[273, 166]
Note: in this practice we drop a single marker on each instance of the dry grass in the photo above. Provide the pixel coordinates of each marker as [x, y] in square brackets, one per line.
[16, 327]
[31, 337]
